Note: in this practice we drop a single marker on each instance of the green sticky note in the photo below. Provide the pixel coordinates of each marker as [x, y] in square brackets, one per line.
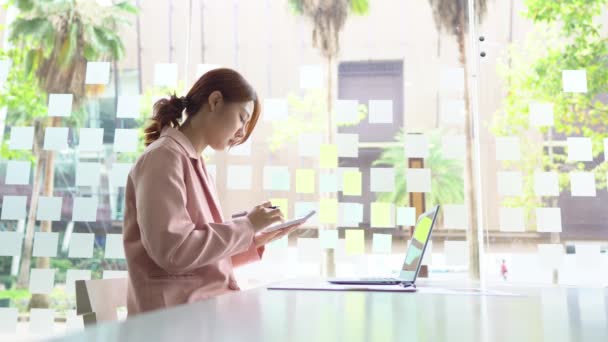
[351, 182]
[282, 203]
[382, 243]
[328, 157]
[382, 215]
[328, 210]
[422, 229]
[354, 240]
[305, 181]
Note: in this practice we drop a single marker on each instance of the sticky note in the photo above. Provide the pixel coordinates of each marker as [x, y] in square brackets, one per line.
[548, 219]
[119, 174]
[42, 280]
[508, 148]
[406, 216]
[382, 243]
[128, 107]
[73, 322]
[309, 144]
[125, 140]
[311, 77]
[455, 216]
[203, 68]
[85, 209]
[351, 183]
[275, 109]
[328, 156]
[328, 210]
[91, 139]
[348, 145]
[303, 208]
[354, 242]
[510, 183]
[305, 181]
[453, 147]
[541, 114]
[579, 149]
[451, 79]
[546, 183]
[346, 111]
[416, 146]
[582, 184]
[10, 243]
[382, 179]
[87, 174]
[239, 177]
[41, 321]
[13, 207]
[328, 182]
[97, 73]
[418, 180]
[351, 214]
[22, 138]
[5, 67]
[71, 277]
[456, 253]
[605, 149]
[422, 230]
[308, 250]
[428, 253]
[165, 75]
[413, 252]
[60, 105]
[282, 203]
[276, 178]
[328, 238]
[45, 244]
[56, 138]
[18, 172]
[551, 256]
[512, 220]
[382, 215]
[243, 149]
[112, 274]
[574, 81]
[81, 245]
[588, 255]
[114, 247]
[380, 111]
[452, 112]
[8, 320]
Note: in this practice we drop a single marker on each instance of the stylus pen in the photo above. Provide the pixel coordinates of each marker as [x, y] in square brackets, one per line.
[243, 213]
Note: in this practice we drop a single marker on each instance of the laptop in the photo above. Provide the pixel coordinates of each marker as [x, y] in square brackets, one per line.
[413, 257]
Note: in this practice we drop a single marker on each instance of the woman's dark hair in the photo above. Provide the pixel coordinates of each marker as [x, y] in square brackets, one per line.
[233, 86]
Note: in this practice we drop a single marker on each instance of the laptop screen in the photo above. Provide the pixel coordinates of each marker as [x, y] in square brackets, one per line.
[415, 251]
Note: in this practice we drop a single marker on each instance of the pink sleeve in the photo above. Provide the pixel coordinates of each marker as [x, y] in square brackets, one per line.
[167, 232]
[250, 255]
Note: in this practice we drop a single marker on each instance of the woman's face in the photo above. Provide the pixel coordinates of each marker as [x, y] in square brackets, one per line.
[227, 121]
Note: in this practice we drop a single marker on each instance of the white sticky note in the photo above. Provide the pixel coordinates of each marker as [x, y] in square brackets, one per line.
[22, 138]
[309, 250]
[60, 105]
[382, 243]
[8, 319]
[243, 149]
[605, 149]
[328, 238]
[507, 148]
[91, 139]
[350, 214]
[87, 174]
[42, 280]
[239, 177]
[81, 245]
[97, 73]
[276, 178]
[71, 277]
[112, 274]
[510, 183]
[418, 180]
[275, 109]
[128, 107]
[328, 182]
[406, 216]
[85, 209]
[579, 149]
[512, 220]
[453, 147]
[588, 255]
[73, 322]
[380, 111]
[202, 69]
[114, 247]
[13, 208]
[428, 253]
[49, 208]
[546, 183]
[452, 111]
[582, 184]
[41, 321]
[10, 243]
[311, 77]
[5, 67]
[56, 138]
[119, 174]
[416, 146]
[165, 75]
[551, 256]
[456, 253]
[574, 81]
[451, 79]
[455, 216]
[348, 145]
[303, 208]
[548, 219]
[18, 172]
[309, 144]
[125, 140]
[382, 179]
[346, 111]
[45, 244]
[541, 114]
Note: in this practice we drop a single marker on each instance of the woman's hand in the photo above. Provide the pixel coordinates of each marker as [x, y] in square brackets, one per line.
[261, 239]
[262, 216]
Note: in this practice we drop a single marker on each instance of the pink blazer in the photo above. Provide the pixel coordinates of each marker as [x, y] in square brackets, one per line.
[178, 247]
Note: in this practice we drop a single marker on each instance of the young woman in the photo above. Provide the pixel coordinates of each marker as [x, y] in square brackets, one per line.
[178, 246]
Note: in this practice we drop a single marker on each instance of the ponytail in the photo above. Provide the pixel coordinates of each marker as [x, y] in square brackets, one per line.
[167, 111]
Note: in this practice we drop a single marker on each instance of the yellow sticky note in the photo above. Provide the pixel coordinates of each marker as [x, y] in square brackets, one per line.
[355, 243]
[305, 181]
[283, 204]
[382, 215]
[328, 157]
[351, 182]
[328, 210]
[422, 229]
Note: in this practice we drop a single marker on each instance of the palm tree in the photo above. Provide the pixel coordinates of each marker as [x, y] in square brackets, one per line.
[61, 36]
[452, 17]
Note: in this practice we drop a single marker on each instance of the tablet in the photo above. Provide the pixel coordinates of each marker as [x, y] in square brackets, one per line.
[288, 223]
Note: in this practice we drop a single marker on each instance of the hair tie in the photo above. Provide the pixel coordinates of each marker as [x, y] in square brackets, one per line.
[184, 101]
